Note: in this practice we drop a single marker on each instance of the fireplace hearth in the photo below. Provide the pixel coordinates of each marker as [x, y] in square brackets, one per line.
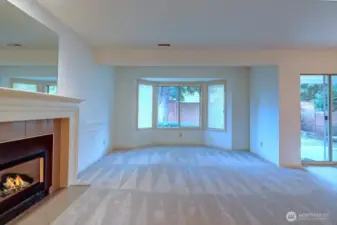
[25, 174]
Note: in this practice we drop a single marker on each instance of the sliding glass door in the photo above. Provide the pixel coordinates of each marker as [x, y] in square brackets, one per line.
[314, 118]
[334, 118]
[318, 118]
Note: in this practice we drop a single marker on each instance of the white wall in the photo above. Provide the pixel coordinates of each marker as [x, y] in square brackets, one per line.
[264, 112]
[290, 63]
[126, 134]
[29, 72]
[79, 76]
[27, 57]
[240, 113]
[237, 119]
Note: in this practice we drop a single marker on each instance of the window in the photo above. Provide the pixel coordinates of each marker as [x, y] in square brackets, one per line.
[168, 107]
[216, 106]
[190, 106]
[34, 86]
[25, 87]
[51, 89]
[178, 106]
[145, 101]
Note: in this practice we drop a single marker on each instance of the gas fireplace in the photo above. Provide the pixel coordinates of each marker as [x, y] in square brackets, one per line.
[12, 183]
[25, 174]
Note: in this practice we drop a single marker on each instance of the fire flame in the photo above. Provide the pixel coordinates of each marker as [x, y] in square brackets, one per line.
[15, 183]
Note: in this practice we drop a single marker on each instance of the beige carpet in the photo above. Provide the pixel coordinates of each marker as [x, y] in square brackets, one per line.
[50, 208]
[195, 186]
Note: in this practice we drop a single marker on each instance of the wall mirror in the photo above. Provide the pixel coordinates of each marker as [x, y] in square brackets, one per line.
[28, 52]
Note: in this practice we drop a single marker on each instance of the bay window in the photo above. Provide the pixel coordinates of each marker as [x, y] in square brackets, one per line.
[179, 105]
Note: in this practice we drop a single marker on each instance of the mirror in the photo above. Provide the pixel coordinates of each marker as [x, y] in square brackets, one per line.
[28, 52]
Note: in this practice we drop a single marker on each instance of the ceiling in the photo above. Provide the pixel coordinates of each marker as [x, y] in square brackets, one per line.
[17, 27]
[244, 24]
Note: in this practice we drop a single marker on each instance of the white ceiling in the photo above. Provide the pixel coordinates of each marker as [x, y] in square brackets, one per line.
[18, 27]
[266, 24]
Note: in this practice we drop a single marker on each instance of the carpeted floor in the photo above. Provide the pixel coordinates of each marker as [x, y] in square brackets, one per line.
[194, 185]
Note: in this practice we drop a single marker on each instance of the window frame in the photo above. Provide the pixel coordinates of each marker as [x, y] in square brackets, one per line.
[41, 86]
[178, 84]
[203, 109]
[149, 83]
[46, 87]
[213, 83]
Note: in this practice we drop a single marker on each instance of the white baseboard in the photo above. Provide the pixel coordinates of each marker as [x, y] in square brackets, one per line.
[96, 161]
[292, 166]
[118, 148]
[231, 149]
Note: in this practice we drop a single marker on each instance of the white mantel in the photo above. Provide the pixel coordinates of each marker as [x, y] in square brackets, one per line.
[18, 105]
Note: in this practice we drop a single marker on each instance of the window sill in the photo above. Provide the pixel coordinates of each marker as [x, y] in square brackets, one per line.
[216, 130]
[144, 129]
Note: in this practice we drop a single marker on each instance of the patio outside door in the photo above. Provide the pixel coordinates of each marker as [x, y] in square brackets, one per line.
[334, 118]
[317, 142]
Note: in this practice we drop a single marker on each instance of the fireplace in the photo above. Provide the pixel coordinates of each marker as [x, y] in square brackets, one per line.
[25, 174]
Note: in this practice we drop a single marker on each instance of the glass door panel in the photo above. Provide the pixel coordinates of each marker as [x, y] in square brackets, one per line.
[334, 117]
[314, 118]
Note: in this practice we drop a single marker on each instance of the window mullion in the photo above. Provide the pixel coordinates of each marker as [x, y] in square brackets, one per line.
[40, 87]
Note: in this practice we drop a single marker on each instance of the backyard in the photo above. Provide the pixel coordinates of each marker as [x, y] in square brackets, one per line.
[315, 118]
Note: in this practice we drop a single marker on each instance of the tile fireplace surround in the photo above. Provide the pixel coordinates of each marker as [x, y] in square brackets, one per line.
[25, 106]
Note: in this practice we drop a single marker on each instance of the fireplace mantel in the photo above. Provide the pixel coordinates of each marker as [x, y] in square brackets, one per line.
[12, 93]
[18, 105]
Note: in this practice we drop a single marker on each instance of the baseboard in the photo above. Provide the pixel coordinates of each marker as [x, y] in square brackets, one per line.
[292, 166]
[177, 145]
[96, 161]
[228, 149]
[241, 149]
[119, 148]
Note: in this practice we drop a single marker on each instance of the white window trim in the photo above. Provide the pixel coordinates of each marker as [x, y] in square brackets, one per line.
[41, 85]
[220, 82]
[203, 114]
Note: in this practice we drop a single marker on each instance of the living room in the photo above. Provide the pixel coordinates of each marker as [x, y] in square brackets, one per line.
[144, 134]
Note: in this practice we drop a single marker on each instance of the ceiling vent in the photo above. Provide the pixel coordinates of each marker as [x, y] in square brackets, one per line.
[16, 45]
[164, 45]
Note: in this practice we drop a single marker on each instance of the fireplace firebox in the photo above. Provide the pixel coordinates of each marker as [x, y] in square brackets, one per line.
[25, 174]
